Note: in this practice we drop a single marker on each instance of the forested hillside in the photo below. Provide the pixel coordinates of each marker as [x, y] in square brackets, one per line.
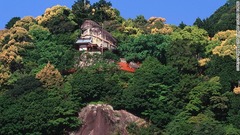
[223, 19]
[184, 85]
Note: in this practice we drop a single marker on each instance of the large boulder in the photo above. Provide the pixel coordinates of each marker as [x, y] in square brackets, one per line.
[101, 119]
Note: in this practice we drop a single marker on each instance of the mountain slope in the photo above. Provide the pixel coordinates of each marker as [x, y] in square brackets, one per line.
[224, 18]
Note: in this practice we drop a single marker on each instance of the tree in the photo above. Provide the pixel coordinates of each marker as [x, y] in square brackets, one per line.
[88, 87]
[187, 47]
[133, 129]
[49, 48]
[12, 45]
[227, 43]
[58, 19]
[26, 22]
[128, 28]
[234, 110]
[140, 21]
[150, 93]
[198, 22]
[182, 90]
[195, 125]
[139, 48]
[102, 3]
[24, 85]
[95, 83]
[4, 75]
[16, 36]
[219, 106]
[224, 67]
[50, 77]
[222, 19]
[38, 112]
[200, 96]
[12, 21]
[182, 25]
[39, 33]
[203, 124]
[103, 11]
[110, 56]
[231, 130]
[82, 10]
[155, 24]
[231, 2]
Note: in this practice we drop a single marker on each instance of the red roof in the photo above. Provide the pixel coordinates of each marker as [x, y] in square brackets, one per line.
[125, 66]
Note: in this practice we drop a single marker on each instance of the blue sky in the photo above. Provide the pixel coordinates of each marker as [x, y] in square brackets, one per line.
[174, 11]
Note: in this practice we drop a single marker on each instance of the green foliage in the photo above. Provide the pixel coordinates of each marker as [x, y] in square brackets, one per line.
[88, 86]
[36, 113]
[133, 129]
[139, 48]
[124, 80]
[112, 25]
[219, 105]
[49, 51]
[140, 21]
[129, 27]
[224, 67]
[172, 89]
[24, 85]
[212, 44]
[183, 88]
[187, 46]
[39, 33]
[119, 36]
[46, 49]
[234, 110]
[201, 94]
[179, 125]
[82, 10]
[95, 83]
[57, 26]
[230, 130]
[65, 117]
[26, 22]
[58, 19]
[231, 2]
[102, 7]
[110, 56]
[66, 38]
[150, 94]
[12, 22]
[203, 124]
[182, 25]
[198, 22]
[222, 19]
[195, 125]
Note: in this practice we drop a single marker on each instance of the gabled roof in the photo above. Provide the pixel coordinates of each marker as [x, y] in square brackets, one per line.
[89, 24]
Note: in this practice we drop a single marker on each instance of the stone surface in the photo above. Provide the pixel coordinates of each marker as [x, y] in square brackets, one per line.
[101, 119]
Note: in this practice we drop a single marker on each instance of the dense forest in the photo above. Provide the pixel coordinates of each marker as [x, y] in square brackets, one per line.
[184, 85]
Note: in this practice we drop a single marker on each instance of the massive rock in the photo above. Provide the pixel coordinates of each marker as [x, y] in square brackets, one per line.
[101, 119]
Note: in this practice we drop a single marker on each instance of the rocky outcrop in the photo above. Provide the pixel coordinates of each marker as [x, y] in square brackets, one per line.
[101, 119]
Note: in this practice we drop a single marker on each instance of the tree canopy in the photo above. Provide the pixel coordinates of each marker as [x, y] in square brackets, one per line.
[183, 84]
